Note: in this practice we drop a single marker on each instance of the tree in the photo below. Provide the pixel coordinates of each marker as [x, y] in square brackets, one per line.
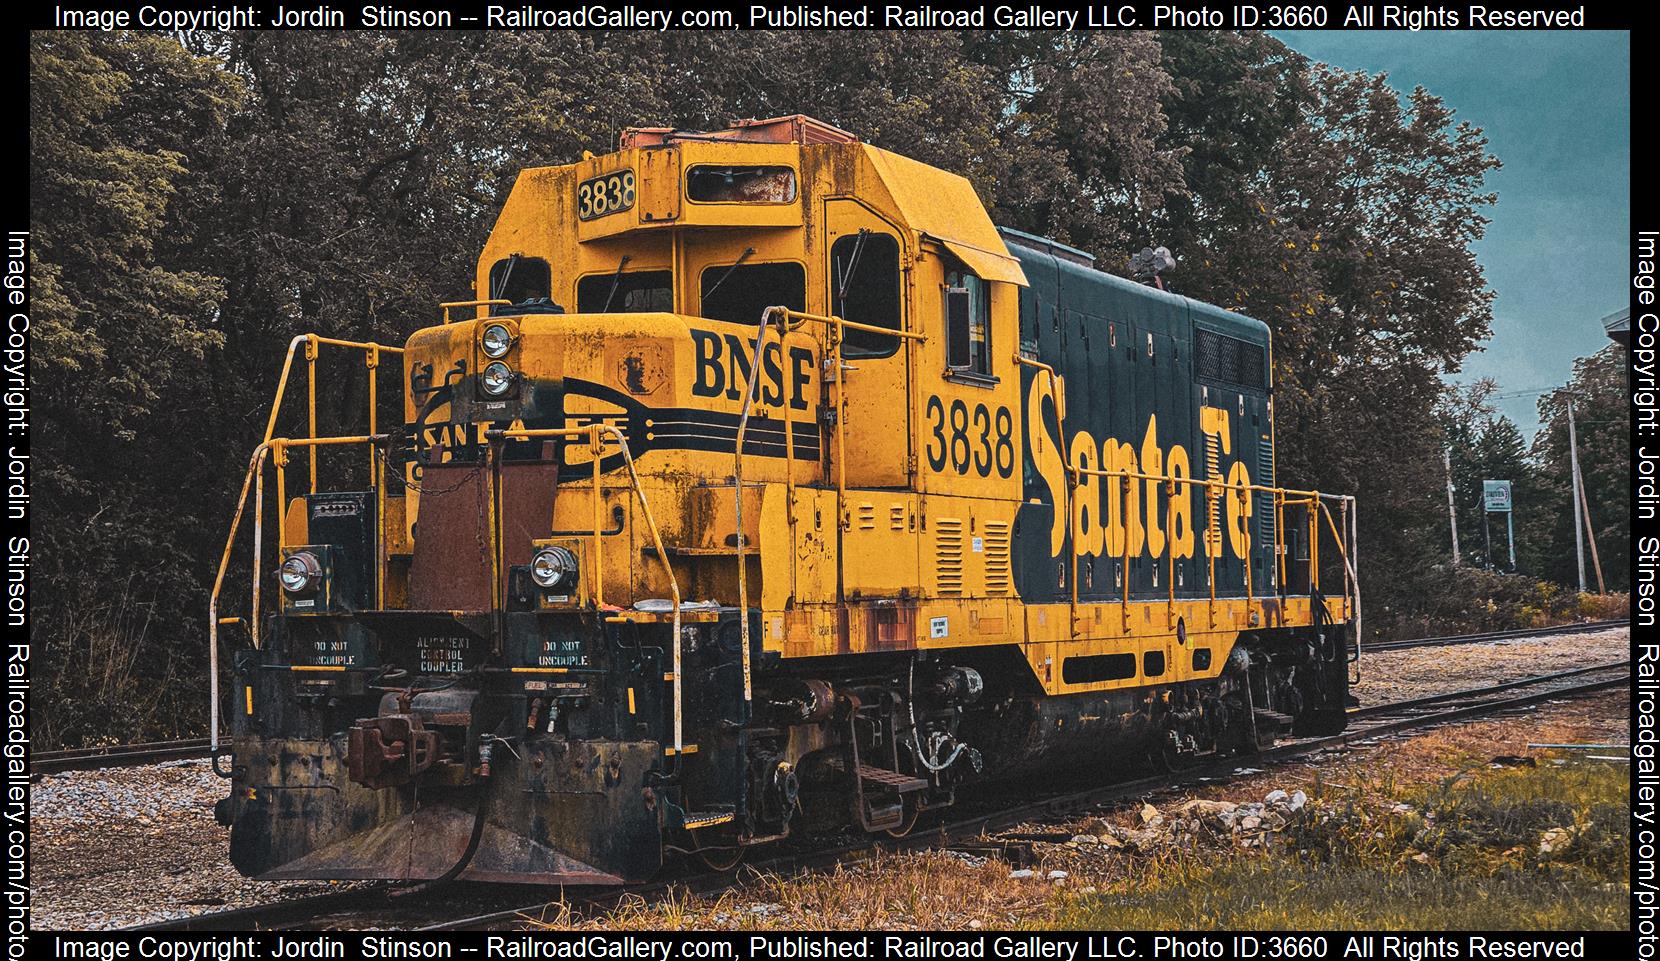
[124, 329]
[1602, 422]
[1341, 212]
[1483, 444]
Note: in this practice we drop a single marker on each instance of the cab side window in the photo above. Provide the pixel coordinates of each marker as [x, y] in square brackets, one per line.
[864, 288]
[967, 322]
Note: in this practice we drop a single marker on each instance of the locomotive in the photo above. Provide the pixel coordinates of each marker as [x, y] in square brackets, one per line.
[762, 486]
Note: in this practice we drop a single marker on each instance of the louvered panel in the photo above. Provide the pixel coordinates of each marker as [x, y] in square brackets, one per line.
[865, 516]
[1265, 502]
[997, 557]
[948, 555]
[1213, 504]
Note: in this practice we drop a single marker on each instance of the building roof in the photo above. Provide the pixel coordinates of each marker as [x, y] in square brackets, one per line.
[1618, 326]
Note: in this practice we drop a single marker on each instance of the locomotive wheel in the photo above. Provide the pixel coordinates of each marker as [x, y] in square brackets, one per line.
[1178, 762]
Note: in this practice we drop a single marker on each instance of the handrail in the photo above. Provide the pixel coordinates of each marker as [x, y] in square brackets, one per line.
[593, 431]
[254, 481]
[787, 320]
[750, 389]
[1315, 500]
[493, 302]
[371, 347]
[254, 464]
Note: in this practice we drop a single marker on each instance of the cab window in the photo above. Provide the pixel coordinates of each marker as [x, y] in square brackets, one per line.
[967, 322]
[864, 288]
[739, 293]
[744, 185]
[518, 279]
[639, 292]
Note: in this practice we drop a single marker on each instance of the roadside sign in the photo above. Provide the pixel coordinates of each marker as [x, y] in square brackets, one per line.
[1495, 496]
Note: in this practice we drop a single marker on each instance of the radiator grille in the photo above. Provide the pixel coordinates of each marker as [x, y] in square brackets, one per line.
[997, 557]
[1229, 360]
[948, 554]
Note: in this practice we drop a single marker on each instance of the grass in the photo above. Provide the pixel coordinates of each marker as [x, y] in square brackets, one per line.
[1509, 849]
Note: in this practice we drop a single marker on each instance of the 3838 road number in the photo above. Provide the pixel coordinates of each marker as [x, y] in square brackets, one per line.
[978, 439]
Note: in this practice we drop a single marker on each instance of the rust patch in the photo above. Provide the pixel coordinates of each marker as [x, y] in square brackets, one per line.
[890, 627]
[639, 368]
[450, 570]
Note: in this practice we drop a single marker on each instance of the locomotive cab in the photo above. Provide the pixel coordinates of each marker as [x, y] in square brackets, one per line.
[742, 497]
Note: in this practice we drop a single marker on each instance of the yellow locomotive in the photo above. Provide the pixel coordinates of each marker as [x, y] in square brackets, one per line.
[763, 485]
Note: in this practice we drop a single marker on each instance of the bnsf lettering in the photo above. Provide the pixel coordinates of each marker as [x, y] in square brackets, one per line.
[723, 370]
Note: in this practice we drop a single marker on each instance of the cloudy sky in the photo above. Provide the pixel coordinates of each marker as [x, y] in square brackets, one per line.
[1556, 107]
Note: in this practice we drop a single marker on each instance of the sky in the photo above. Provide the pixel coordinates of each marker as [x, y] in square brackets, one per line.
[1556, 108]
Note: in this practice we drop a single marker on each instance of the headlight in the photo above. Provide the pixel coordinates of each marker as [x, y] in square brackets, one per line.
[553, 568]
[301, 573]
[498, 379]
[497, 340]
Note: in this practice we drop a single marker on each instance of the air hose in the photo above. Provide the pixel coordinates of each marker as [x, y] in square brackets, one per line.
[479, 817]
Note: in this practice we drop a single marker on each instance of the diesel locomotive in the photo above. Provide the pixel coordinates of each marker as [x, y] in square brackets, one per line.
[761, 486]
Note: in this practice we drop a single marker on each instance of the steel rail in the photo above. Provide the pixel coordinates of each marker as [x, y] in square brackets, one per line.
[1484, 637]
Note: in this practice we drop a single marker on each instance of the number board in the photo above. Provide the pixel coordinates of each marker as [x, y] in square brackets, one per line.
[604, 195]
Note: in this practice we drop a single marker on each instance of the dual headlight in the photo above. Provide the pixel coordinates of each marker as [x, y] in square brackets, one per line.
[496, 341]
[554, 568]
[301, 573]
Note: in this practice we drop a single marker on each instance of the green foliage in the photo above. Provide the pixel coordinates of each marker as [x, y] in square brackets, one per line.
[1602, 421]
[126, 326]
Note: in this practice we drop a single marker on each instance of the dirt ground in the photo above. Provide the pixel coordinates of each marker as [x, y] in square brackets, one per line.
[1421, 671]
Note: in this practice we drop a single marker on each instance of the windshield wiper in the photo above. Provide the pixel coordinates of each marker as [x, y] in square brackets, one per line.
[852, 267]
[501, 287]
[616, 281]
[716, 285]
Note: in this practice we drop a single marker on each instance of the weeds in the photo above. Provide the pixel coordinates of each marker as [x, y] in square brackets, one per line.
[1521, 848]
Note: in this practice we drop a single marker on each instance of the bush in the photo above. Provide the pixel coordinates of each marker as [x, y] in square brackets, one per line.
[1453, 600]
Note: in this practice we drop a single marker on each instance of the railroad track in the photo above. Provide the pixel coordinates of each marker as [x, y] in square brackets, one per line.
[476, 907]
[1454, 639]
[132, 755]
[116, 755]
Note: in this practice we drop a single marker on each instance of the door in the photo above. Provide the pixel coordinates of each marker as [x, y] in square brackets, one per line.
[866, 280]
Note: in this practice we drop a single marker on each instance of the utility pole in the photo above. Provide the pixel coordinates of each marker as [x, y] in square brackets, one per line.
[1510, 535]
[1591, 535]
[1573, 461]
[1452, 509]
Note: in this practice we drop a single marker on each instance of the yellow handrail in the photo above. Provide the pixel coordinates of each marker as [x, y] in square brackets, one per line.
[214, 620]
[455, 304]
[592, 431]
[254, 481]
[1314, 500]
